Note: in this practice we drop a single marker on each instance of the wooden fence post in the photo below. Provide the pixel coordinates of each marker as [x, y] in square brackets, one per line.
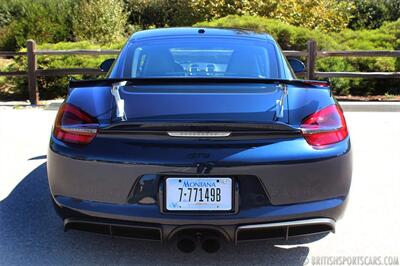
[311, 58]
[32, 67]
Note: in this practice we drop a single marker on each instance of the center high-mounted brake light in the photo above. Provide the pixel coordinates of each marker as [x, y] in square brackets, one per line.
[327, 126]
[74, 125]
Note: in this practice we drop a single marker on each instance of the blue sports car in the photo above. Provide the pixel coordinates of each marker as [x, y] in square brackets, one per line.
[200, 135]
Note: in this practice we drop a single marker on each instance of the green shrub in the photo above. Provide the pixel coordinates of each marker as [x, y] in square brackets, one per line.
[160, 13]
[50, 21]
[394, 9]
[101, 21]
[369, 14]
[289, 37]
[42, 20]
[8, 10]
[53, 87]
[295, 38]
[324, 15]
[384, 38]
[372, 14]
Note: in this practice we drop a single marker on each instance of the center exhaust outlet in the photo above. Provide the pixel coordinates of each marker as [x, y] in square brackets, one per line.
[207, 237]
[211, 244]
[186, 244]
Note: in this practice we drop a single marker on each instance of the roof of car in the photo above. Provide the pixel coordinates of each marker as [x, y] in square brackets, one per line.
[197, 31]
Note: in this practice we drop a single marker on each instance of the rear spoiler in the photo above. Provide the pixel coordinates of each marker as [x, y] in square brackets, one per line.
[178, 81]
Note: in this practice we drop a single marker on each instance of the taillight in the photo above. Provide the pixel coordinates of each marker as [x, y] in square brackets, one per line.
[317, 83]
[327, 126]
[74, 125]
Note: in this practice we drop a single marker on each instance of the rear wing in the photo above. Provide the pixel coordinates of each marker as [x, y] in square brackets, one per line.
[181, 81]
[116, 84]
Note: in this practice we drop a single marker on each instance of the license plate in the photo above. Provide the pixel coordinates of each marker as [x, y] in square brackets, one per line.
[198, 194]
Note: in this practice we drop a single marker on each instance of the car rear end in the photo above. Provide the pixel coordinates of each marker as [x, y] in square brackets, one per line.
[238, 158]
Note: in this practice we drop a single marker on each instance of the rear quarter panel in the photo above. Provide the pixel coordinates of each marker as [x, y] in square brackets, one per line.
[306, 101]
[96, 101]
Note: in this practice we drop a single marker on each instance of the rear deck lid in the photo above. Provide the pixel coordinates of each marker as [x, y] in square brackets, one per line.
[247, 103]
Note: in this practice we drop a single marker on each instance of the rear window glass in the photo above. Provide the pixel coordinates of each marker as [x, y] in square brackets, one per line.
[199, 57]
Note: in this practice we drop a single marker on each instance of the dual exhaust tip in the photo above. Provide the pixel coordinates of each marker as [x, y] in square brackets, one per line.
[188, 243]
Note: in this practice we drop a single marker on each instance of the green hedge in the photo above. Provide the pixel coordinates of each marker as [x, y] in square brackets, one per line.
[52, 21]
[289, 37]
[53, 87]
[295, 38]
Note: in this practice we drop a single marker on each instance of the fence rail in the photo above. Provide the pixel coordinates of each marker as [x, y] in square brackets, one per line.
[355, 53]
[77, 52]
[370, 75]
[311, 55]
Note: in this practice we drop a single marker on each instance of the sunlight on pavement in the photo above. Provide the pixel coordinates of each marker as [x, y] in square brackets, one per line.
[369, 226]
[24, 136]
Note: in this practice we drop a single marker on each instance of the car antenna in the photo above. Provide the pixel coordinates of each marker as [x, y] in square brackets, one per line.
[280, 103]
[118, 101]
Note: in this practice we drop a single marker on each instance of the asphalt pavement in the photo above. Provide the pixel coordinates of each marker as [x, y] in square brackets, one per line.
[32, 234]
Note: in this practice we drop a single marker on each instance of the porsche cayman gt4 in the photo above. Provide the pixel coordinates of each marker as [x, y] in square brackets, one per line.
[200, 134]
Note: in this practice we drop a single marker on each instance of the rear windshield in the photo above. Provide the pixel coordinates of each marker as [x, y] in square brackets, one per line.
[199, 57]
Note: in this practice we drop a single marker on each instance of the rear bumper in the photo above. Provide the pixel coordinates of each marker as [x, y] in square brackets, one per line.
[280, 230]
[324, 174]
[300, 193]
[166, 232]
[150, 214]
[147, 223]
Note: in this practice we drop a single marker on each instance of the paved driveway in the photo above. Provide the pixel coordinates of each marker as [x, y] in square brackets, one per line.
[31, 233]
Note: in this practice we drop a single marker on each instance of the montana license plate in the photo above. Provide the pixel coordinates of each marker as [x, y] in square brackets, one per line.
[198, 194]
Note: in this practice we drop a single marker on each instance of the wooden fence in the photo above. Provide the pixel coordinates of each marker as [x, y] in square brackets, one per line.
[311, 55]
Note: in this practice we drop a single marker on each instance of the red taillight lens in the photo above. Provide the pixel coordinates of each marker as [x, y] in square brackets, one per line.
[324, 127]
[74, 125]
[317, 83]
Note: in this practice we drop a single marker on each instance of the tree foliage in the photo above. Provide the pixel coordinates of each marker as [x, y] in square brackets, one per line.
[160, 13]
[100, 21]
[106, 20]
[42, 20]
[325, 15]
[371, 14]
[210, 9]
[394, 9]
